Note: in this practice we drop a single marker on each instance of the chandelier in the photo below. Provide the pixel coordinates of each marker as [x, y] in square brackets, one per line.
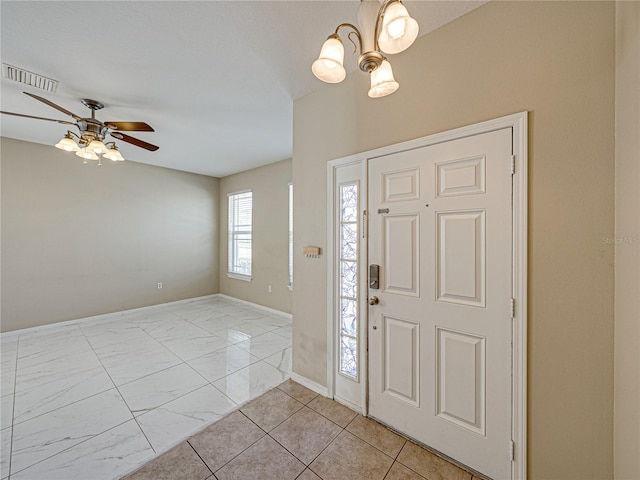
[391, 30]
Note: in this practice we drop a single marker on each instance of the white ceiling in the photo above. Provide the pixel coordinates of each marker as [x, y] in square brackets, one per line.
[216, 79]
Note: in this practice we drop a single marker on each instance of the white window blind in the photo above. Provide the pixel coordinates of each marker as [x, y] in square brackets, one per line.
[290, 235]
[240, 219]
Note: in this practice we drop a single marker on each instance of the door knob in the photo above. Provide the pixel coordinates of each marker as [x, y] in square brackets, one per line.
[373, 301]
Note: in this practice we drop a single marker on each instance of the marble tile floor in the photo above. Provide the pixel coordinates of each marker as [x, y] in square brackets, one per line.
[98, 399]
[292, 433]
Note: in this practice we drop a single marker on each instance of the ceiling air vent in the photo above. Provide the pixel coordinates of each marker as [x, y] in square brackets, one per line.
[29, 78]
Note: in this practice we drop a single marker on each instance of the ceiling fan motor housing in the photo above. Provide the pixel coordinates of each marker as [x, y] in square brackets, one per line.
[91, 129]
[92, 104]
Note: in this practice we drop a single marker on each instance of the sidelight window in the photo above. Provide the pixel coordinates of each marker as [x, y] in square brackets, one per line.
[348, 269]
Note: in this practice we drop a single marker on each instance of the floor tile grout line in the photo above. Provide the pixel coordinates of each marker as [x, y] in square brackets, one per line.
[210, 333]
[136, 417]
[13, 411]
[305, 404]
[299, 459]
[164, 369]
[237, 406]
[125, 402]
[198, 454]
[244, 450]
[150, 374]
[208, 383]
[165, 403]
[372, 445]
[388, 470]
[63, 406]
[322, 414]
[70, 447]
[268, 434]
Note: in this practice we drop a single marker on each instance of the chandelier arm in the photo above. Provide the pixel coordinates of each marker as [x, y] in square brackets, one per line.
[355, 31]
[74, 134]
[355, 46]
[381, 12]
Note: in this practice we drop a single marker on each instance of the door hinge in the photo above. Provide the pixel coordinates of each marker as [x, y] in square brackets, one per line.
[512, 450]
[513, 164]
[512, 306]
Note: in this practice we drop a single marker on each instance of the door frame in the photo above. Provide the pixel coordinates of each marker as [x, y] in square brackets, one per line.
[518, 122]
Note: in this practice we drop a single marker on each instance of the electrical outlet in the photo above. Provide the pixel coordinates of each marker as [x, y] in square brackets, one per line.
[269, 289]
[159, 285]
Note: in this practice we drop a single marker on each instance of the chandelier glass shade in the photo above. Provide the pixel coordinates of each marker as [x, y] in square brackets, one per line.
[87, 154]
[113, 154]
[382, 81]
[398, 30]
[97, 147]
[395, 31]
[329, 65]
[67, 144]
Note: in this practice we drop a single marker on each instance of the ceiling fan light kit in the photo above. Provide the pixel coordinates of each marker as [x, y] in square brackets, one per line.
[90, 145]
[393, 32]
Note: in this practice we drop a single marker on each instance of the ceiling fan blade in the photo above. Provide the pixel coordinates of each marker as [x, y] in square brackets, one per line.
[134, 141]
[51, 104]
[38, 118]
[130, 126]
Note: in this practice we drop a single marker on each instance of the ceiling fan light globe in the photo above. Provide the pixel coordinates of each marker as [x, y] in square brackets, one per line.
[86, 154]
[114, 155]
[97, 147]
[382, 81]
[67, 144]
[399, 30]
[329, 65]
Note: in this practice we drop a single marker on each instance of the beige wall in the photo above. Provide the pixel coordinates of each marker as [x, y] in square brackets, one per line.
[81, 240]
[627, 247]
[270, 241]
[556, 60]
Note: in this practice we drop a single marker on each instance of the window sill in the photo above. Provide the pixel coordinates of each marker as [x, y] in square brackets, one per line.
[239, 276]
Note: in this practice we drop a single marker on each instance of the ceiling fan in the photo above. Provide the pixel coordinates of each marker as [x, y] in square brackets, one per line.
[93, 132]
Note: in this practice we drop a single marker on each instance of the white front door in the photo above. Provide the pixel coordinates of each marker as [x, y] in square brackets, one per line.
[440, 364]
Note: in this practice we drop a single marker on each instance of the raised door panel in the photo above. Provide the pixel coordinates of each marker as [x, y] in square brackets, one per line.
[401, 186]
[401, 353]
[460, 177]
[401, 254]
[460, 257]
[460, 379]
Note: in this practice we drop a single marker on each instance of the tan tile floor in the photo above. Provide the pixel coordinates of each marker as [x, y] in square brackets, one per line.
[292, 433]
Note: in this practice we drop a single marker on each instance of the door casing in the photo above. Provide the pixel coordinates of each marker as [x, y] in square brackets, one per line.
[519, 125]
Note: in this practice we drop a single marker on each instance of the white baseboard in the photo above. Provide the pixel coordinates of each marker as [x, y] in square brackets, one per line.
[114, 315]
[256, 306]
[305, 382]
